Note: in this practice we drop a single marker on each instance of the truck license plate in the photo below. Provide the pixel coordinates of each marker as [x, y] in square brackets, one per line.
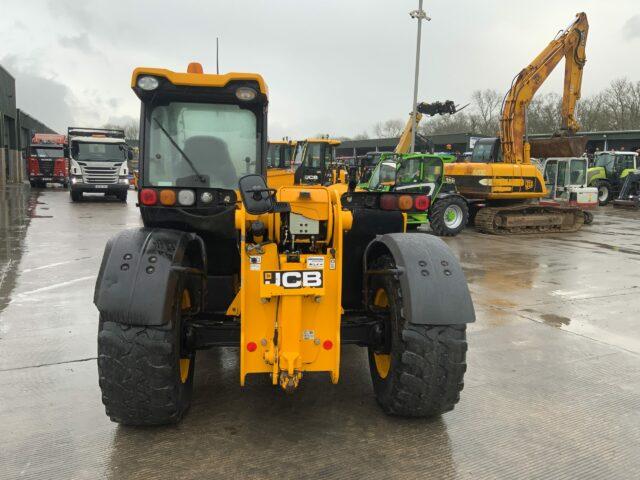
[100, 186]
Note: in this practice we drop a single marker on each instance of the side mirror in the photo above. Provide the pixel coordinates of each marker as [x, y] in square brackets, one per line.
[66, 152]
[256, 196]
[129, 154]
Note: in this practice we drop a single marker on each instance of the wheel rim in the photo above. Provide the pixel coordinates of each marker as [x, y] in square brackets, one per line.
[382, 360]
[185, 363]
[453, 216]
[603, 193]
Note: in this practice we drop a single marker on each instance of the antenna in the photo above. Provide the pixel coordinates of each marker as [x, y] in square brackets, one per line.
[217, 55]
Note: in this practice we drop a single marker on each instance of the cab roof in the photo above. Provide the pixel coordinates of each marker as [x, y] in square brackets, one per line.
[195, 78]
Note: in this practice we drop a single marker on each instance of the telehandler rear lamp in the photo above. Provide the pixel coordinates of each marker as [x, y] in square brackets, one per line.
[167, 198]
[421, 203]
[405, 202]
[148, 196]
[186, 197]
[389, 202]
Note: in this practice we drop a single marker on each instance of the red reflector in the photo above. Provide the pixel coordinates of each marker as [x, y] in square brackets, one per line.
[252, 346]
[148, 196]
[421, 202]
[388, 202]
[327, 344]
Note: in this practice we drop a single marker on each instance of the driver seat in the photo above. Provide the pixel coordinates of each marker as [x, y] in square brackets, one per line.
[215, 150]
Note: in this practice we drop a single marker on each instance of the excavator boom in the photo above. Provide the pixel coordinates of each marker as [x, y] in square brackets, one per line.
[570, 45]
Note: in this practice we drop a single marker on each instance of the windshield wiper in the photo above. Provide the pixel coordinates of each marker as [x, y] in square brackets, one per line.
[201, 177]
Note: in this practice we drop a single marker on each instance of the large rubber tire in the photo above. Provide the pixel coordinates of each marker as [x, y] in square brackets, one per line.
[427, 362]
[33, 183]
[75, 196]
[139, 370]
[605, 194]
[122, 196]
[439, 214]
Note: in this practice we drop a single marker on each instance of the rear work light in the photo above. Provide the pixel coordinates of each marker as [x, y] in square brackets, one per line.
[421, 203]
[148, 196]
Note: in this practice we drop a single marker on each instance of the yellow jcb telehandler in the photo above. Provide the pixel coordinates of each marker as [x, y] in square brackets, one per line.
[287, 276]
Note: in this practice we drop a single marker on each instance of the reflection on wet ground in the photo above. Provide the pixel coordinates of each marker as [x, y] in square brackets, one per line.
[17, 205]
[552, 389]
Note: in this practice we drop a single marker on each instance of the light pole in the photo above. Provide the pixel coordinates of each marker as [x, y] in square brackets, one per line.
[419, 15]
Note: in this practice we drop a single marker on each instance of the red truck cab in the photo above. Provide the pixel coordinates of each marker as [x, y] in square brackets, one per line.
[47, 161]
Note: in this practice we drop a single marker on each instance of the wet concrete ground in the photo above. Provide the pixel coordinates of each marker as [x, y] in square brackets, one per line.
[552, 389]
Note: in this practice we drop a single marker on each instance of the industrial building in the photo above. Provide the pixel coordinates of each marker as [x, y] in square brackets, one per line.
[453, 142]
[461, 142]
[16, 130]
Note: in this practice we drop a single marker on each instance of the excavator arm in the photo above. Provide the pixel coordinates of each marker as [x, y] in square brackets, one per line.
[568, 44]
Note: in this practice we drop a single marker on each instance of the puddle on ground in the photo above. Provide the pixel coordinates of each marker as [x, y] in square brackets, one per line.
[555, 320]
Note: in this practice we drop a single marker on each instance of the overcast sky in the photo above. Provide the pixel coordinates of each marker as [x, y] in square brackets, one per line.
[332, 66]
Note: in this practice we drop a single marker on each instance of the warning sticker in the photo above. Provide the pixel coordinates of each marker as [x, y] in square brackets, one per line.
[332, 264]
[255, 267]
[315, 262]
[308, 334]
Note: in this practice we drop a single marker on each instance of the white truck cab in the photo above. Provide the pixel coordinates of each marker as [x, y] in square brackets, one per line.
[98, 162]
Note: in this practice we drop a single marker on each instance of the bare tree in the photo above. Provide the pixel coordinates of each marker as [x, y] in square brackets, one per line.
[543, 114]
[615, 108]
[131, 129]
[485, 116]
[388, 129]
[361, 136]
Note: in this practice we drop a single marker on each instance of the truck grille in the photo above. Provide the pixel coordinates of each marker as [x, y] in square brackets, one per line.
[46, 167]
[101, 175]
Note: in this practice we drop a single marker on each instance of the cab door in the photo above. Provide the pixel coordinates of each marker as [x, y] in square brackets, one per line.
[313, 168]
[551, 178]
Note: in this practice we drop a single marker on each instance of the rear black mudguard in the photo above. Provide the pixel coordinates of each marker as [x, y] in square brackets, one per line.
[434, 288]
[140, 272]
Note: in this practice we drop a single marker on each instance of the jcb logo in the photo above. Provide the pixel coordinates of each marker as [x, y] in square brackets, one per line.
[294, 279]
[528, 184]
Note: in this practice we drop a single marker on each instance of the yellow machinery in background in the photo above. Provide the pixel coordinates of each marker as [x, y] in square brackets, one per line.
[500, 177]
[280, 170]
[317, 163]
[287, 276]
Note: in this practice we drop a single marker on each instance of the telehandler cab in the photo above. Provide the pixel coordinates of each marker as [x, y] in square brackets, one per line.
[287, 276]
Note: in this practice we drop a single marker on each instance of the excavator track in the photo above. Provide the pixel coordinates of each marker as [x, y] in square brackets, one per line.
[528, 219]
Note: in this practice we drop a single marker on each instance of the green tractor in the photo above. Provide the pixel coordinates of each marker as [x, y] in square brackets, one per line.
[447, 212]
[609, 173]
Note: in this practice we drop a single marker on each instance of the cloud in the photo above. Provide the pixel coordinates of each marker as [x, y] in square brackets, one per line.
[79, 42]
[44, 98]
[631, 28]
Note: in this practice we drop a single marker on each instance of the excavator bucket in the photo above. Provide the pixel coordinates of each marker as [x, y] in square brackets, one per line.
[558, 147]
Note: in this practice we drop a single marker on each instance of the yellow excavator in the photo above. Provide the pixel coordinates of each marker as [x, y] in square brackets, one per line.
[501, 183]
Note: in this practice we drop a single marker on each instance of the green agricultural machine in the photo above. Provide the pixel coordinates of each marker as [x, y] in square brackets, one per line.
[445, 210]
[609, 173]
